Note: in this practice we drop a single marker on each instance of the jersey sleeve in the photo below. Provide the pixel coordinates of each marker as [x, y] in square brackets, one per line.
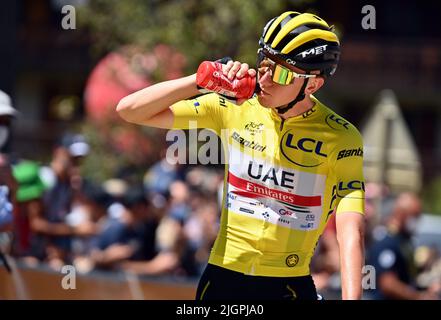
[206, 111]
[348, 157]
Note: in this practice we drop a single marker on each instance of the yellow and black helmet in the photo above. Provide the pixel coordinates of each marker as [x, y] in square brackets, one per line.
[303, 40]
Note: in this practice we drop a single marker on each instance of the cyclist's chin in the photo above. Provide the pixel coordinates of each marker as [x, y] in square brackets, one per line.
[265, 101]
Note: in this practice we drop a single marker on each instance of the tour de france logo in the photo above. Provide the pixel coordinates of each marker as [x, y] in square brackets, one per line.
[292, 260]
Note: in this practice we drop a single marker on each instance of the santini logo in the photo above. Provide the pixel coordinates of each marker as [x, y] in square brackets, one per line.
[350, 153]
[247, 143]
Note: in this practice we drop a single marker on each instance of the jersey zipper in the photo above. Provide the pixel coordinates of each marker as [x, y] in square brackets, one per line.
[282, 122]
[252, 270]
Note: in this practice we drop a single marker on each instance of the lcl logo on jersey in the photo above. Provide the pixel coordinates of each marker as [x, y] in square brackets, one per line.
[336, 123]
[302, 151]
[308, 113]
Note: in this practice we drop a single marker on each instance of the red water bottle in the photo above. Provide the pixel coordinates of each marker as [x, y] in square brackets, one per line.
[210, 77]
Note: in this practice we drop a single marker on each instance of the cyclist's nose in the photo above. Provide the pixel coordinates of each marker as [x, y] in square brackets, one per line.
[265, 78]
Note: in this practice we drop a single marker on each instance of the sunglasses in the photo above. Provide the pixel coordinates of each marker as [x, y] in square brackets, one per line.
[279, 74]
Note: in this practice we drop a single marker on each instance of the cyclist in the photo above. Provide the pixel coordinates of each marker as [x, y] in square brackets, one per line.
[299, 163]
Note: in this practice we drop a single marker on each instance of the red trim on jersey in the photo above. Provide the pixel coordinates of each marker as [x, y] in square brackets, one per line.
[254, 190]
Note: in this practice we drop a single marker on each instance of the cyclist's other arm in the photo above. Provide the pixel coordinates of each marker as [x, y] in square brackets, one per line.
[350, 236]
[150, 106]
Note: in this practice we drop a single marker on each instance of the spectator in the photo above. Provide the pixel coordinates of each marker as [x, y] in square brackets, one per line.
[201, 230]
[130, 237]
[43, 229]
[87, 215]
[7, 183]
[392, 256]
[175, 255]
[162, 174]
[64, 181]
[171, 245]
[29, 212]
[179, 208]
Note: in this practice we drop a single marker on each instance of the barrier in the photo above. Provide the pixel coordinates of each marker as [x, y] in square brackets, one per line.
[42, 283]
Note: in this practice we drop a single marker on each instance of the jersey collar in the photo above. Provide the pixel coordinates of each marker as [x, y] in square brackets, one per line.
[309, 114]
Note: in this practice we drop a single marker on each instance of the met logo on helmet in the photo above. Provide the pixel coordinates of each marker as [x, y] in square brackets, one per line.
[313, 51]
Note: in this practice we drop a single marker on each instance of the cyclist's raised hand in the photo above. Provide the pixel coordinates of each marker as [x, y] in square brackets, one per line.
[237, 69]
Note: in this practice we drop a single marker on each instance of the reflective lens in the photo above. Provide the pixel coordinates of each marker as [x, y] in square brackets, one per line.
[279, 74]
[282, 75]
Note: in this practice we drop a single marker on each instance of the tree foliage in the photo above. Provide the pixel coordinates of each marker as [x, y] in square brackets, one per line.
[197, 29]
[200, 30]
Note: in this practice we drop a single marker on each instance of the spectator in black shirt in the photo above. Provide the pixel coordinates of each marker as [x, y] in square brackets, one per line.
[392, 256]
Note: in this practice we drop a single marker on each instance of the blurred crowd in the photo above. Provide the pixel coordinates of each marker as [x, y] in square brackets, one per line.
[166, 223]
[399, 266]
[163, 224]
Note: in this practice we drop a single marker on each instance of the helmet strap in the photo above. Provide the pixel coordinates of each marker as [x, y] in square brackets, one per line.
[257, 88]
[300, 97]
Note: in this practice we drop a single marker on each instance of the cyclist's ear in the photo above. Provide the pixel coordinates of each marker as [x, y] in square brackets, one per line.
[314, 84]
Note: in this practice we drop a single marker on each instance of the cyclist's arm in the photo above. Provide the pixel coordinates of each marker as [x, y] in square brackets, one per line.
[150, 106]
[348, 157]
[350, 236]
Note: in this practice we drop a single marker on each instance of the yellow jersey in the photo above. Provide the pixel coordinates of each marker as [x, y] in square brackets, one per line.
[283, 180]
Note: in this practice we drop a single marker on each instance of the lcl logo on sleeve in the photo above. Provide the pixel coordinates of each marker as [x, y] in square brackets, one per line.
[336, 123]
[351, 185]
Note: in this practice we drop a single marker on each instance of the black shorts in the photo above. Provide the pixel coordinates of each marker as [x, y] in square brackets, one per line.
[222, 284]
